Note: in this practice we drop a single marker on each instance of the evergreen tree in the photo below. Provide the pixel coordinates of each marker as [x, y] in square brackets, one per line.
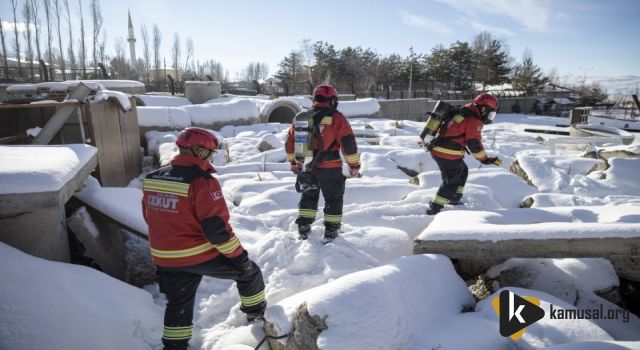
[291, 73]
[439, 66]
[492, 66]
[463, 63]
[389, 71]
[527, 76]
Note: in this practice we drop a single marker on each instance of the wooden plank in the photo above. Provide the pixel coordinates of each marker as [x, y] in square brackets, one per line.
[56, 122]
[130, 141]
[106, 128]
[38, 105]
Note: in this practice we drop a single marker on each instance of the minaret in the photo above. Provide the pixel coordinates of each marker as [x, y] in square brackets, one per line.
[132, 43]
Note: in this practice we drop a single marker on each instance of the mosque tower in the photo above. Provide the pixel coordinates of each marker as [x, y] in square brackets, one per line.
[132, 44]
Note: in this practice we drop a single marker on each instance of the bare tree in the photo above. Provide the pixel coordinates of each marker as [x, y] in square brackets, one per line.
[145, 50]
[96, 20]
[189, 46]
[61, 58]
[4, 52]
[72, 55]
[36, 23]
[83, 48]
[103, 44]
[176, 52]
[47, 12]
[306, 51]
[26, 13]
[16, 43]
[157, 40]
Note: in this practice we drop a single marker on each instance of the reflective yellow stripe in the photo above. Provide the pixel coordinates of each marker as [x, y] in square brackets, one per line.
[458, 118]
[449, 151]
[307, 213]
[166, 186]
[326, 120]
[174, 254]
[252, 300]
[440, 200]
[460, 189]
[480, 155]
[229, 246]
[354, 158]
[291, 157]
[334, 219]
[177, 333]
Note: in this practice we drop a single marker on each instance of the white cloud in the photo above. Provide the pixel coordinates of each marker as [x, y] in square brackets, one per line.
[424, 23]
[532, 14]
[479, 26]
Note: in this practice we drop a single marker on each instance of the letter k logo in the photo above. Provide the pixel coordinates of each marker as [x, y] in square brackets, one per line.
[521, 313]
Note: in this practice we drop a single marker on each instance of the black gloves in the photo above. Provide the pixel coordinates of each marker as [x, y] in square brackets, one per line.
[492, 160]
[243, 263]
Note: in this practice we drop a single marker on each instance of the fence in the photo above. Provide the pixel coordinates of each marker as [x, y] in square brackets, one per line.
[36, 74]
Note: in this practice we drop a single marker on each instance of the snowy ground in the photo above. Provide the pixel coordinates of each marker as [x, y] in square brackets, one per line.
[376, 294]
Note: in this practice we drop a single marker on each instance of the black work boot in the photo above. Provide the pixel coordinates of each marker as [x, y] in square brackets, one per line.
[257, 314]
[456, 200]
[330, 232]
[303, 231]
[434, 208]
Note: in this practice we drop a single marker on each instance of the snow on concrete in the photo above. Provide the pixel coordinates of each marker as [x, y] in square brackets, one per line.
[172, 117]
[536, 223]
[52, 305]
[363, 107]
[162, 101]
[121, 97]
[29, 169]
[222, 112]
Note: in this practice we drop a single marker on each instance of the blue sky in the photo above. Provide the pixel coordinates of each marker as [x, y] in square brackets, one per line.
[578, 37]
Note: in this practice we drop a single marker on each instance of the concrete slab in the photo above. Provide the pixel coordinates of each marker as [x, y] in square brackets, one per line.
[32, 202]
[562, 232]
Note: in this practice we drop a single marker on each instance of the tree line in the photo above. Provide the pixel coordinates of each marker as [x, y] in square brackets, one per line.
[485, 60]
[56, 32]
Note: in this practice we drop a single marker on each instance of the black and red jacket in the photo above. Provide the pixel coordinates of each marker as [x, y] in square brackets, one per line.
[187, 215]
[464, 130]
[337, 136]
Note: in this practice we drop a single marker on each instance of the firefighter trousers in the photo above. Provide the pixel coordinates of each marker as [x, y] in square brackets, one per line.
[454, 173]
[180, 285]
[330, 182]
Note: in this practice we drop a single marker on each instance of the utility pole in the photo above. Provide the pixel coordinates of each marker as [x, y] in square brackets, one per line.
[410, 76]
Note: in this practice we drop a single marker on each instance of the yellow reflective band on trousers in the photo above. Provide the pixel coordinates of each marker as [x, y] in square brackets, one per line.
[480, 155]
[440, 200]
[354, 158]
[307, 213]
[333, 219]
[229, 246]
[449, 151]
[177, 333]
[175, 254]
[171, 187]
[291, 157]
[460, 189]
[252, 300]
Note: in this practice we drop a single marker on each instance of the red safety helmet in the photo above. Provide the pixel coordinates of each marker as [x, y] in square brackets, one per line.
[488, 100]
[197, 137]
[326, 91]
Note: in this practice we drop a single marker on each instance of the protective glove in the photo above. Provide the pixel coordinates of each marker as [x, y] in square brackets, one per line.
[295, 167]
[243, 263]
[492, 160]
[354, 172]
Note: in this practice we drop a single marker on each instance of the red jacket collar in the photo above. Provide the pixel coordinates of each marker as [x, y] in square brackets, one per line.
[189, 161]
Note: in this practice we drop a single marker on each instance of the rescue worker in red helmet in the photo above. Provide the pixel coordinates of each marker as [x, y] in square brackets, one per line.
[462, 132]
[190, 236]
[331, 134]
